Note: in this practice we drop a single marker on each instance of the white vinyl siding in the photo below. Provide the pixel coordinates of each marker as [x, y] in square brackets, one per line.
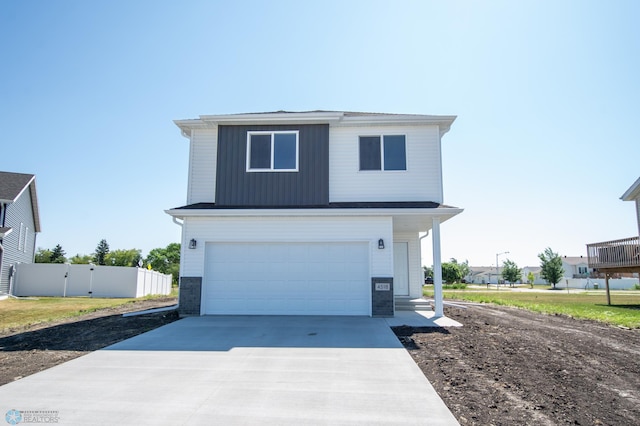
[288, 229]
[422, 181]
[202, 166]
[19, 245]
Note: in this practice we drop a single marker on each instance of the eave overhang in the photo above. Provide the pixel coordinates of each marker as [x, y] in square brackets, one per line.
[405, 219]
[335, 118]
[633, 192]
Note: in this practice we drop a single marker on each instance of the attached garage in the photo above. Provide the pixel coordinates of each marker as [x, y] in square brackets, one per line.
[261, 278]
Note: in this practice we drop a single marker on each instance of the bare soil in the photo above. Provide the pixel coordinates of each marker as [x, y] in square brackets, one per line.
[505, 366]
[508, 366]
[27, 350]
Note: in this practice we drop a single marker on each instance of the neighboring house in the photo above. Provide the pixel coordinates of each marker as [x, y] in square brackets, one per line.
[622, 255]
[576, 267]
[19, 223]
[482, 275]
[310, 213]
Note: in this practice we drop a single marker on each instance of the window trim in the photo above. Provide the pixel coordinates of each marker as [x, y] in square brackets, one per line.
[272, 133]
[382, 169]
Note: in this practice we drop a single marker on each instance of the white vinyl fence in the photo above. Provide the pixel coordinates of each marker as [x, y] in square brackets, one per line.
[591, 283]
[65, 280]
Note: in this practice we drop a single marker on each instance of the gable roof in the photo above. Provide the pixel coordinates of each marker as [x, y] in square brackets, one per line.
[633, 192]
[12, 185]
[344, 118]
[574, 260]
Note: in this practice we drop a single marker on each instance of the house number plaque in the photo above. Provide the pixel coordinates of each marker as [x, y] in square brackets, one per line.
[383, 286]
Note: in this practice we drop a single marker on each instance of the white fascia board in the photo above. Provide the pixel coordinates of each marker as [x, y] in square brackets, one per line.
[275, 118]
[633, 192]
[444, 122]
[187, 125]
[437, 212]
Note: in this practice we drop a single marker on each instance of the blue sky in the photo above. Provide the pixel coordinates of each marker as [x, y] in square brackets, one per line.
[546, 93]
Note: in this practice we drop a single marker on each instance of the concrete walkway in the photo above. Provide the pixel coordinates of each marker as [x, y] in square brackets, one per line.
[238, 370]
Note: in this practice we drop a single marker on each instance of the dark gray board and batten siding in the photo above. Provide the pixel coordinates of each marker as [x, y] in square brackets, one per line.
[308, 186]
[16, 251]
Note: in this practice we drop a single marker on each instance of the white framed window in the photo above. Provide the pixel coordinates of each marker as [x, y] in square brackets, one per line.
[275, 151]
[383, 152]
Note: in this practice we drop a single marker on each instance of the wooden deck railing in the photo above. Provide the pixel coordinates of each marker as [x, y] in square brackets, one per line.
[624, 253]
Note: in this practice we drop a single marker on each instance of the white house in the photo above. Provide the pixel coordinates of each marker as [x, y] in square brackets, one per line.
[309, 213]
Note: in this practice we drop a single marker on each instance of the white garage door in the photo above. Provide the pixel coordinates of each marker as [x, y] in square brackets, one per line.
[287, 279]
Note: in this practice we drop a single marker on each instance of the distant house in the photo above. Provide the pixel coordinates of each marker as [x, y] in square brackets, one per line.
[19, 223]
[576, 267]
[310, 213]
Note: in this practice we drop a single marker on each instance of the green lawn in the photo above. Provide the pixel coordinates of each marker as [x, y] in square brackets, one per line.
[624, 311]
[24, 312]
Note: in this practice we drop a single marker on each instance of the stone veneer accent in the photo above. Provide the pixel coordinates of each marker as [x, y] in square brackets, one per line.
[382, 301]
[190, 294]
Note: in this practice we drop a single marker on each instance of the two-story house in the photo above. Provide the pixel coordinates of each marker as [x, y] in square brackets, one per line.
[309, 213]
[19, 223]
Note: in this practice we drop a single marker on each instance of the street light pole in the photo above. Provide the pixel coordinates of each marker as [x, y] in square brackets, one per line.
[498, 270]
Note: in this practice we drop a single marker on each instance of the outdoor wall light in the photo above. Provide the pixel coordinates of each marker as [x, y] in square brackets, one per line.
[381, 243]
[193, 243]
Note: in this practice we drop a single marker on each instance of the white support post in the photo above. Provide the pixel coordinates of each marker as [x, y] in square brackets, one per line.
[437, 267]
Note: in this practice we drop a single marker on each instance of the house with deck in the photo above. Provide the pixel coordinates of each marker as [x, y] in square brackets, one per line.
[310, 213]
[618, 256]
[19, 224]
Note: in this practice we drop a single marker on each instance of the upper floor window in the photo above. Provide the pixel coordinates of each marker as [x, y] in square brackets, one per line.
[272, 151]
[388, 152]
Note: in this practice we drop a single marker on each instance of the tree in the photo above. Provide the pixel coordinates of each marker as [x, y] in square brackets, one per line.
[166, 260]
[101, 252]
[123, 257]
[464, 269]
[451, 272]
[42, 256]
[511, 272]
[57, 255]
[428, 272]
[81, 259]
[531, 278]
[551, 265]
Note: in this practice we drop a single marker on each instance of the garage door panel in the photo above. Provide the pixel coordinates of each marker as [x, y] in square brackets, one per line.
[287, 278]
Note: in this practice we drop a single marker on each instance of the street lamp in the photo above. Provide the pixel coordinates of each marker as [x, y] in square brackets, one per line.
[498, 269]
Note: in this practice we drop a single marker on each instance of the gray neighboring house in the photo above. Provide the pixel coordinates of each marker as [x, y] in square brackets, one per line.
[19, 223]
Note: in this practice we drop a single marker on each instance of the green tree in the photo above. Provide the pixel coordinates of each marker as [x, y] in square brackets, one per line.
[451, 272]
[428, 272]
[464, 269]
[531, 278]
[81, 259]
[42, 255]
[511, 272]
[166, 260]
[123, 257]
[551, 264]
[99, 256]
[57, 255]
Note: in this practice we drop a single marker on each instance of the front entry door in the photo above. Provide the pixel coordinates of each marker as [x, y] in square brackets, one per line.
[400, 269]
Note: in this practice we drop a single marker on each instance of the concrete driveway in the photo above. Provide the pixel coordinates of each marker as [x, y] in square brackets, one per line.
[236, 370]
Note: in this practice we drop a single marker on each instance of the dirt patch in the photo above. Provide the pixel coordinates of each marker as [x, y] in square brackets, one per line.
[27, 350]
[509, 366]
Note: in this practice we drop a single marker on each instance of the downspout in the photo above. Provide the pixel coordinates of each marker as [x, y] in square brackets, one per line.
[165, 308]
